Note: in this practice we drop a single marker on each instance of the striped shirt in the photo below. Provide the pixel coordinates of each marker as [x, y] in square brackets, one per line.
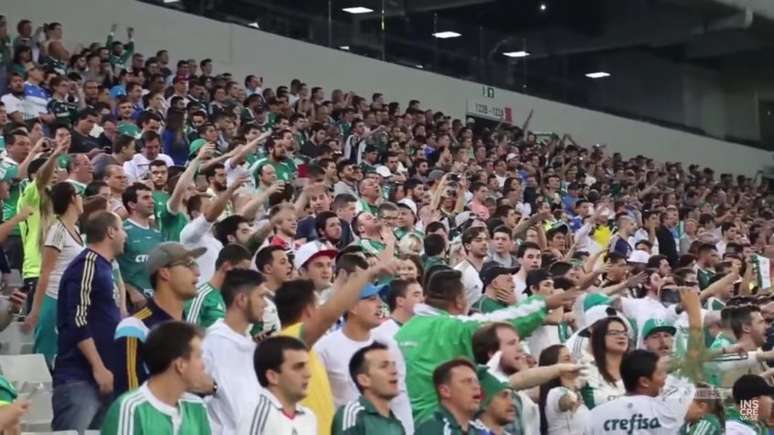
[268, 418]
[35, 101]
[207, 307]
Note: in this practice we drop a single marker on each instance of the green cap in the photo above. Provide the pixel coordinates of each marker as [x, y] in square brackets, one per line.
[195, 146]
[8, 172]
[657, 325]
[129, 129]
[490, 385]
[63, 161]
[594, 299]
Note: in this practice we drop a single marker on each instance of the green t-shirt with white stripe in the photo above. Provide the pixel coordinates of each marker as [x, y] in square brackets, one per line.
[207, 307]
[371, 247]
[139, 412]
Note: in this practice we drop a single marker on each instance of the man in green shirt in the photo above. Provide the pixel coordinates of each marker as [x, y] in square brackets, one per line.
[441, 329]
[120, 53]
[499, 290]
[18, 151]
[173, 357]
[370, 196]
[141, 239]
[208, 305]
[459, 396]
[277, 156]
[368, 227]
[375, 375]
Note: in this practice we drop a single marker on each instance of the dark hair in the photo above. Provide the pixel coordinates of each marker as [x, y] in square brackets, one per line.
[485, 342]
[472, 233]
[637, 364]
[121, 142]
[228, 227]
[130, 194]
[549, 356]
[350, 263]
[96, 227]
[434, 245]
[442, 373]
[239, 281]
[34, 166]
[292, 297]
[523, 248]
[599, 345]
[740, 316]
[270, 354]
[443, 287]
[432, 227]
[397, 290]
[92, 189]
[357, 364]
[321, 220]
[232, 253]
[534, 278]
[265, 256]
[167, 342]
[61, 195]
[210, 171]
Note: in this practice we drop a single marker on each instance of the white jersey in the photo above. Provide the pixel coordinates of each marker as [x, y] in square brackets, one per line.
[68, 245]
[268, 418]
[471, 281]
[639, 414]
[561, 422]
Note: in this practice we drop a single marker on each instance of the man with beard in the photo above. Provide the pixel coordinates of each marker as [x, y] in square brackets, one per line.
[373, 370]
[319, 201]
[173, 275]
[215, 175]
[498, 409]
[329, 230]
[14, 99]
[277, 156]
[228, 349]
[123, 151]
[347, 179]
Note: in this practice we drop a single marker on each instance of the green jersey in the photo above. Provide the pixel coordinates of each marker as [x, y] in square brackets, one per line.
[80, 188]
[371, 247]
[704, 277]
[139, 412]
[17, 186]
[139, 242]
[207, 307]
[442, 422]
[708, 425]
[736, 419]
[715, 304]
[116, 60]
[433, 336]
[403, 232]
[485, 304]
[64, 111]
[170, 224]
[286, 170]
[359, 417]
[7, 392]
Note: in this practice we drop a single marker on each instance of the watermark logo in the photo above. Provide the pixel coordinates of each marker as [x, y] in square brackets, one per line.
[749, 409]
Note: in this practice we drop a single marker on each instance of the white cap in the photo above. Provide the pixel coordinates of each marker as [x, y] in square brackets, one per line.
[510, 157]
[384, 171]
[308, 251]
[639, 256]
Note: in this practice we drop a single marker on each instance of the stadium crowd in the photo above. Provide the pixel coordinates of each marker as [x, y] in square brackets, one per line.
[201, 253]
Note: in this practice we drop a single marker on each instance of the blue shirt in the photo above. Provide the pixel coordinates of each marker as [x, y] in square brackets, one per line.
[86, 308]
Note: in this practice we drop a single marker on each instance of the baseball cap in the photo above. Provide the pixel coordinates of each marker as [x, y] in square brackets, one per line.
[595, 314]
[8, 172]
[638, 256]
[595, 299]
[195, 146]
[129, 129]
[657, 325]
[435, 175]
[384, 171]
[492, 270]
[490, 385]
[308, 251]
[371, 290]
[748, 387]
[168, 253]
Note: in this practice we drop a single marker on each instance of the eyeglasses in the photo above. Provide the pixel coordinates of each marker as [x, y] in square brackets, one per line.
[616, 333]
[189, 263]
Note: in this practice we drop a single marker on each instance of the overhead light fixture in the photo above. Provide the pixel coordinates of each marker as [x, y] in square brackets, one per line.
[520, 53]
[344, 47]
[598, 75]
[543, 7]
[446, 35]
[171, 1]
[254, 24]
[358, 10]
[420, 66]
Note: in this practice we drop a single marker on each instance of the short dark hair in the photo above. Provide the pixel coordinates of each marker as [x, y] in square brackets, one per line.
[239, 281]
[472, 233]
[130, 194]
[121, 142]
[341, 200]
[434, 245]
[350, 263]
[397, 290]
[535, 277]
[96, 227]
[523, 248]
[232, 253]
[167, 342]
[442, 373]
[739, 316]
[92, 189]
[357, 364]
[443, 286]
[292, 297]
[270, 354]
[322, 219]
[265, 256]
[228, 227]
[637, 364]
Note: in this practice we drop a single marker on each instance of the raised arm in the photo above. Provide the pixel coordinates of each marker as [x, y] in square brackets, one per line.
[175, 202]
[44, 174]
[215, 209]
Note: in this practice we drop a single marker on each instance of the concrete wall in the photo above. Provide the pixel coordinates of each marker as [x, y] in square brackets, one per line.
[242, 50]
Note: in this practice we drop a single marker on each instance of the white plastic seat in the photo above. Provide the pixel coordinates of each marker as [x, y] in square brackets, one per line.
[40, 414]
[13, 341]
[26, 372]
